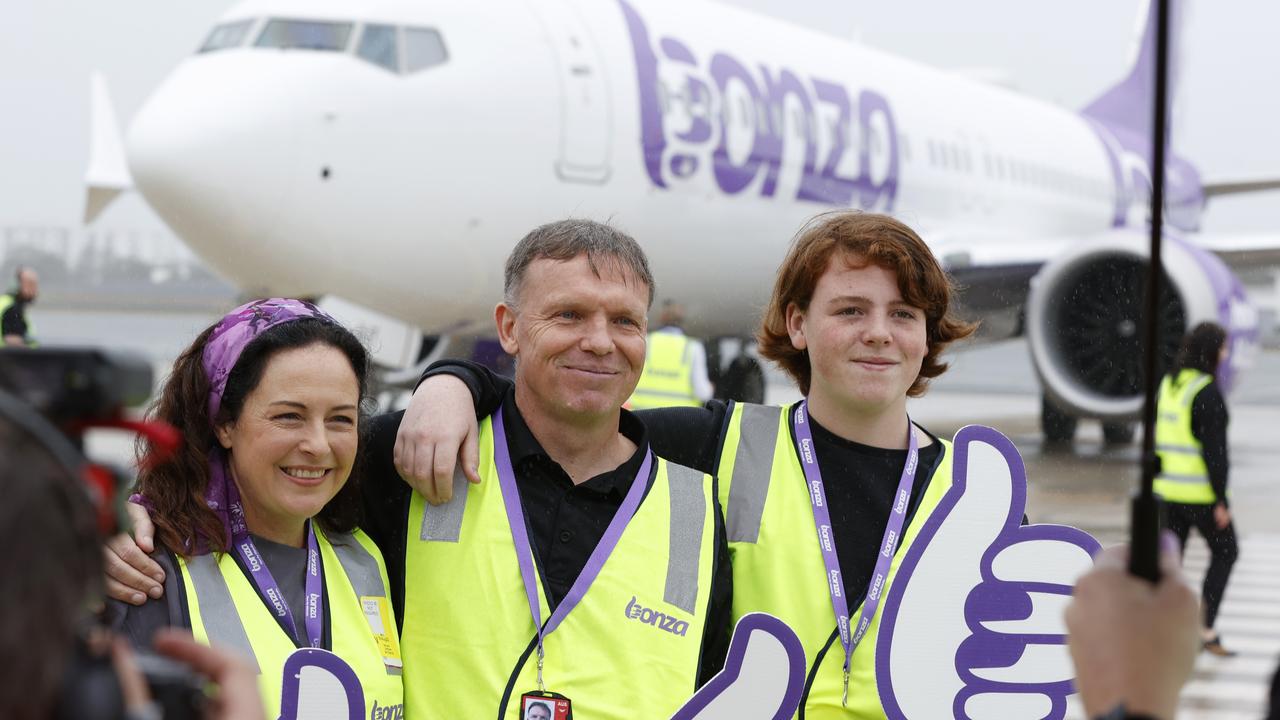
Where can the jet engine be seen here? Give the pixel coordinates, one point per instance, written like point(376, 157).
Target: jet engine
point(1085, 315)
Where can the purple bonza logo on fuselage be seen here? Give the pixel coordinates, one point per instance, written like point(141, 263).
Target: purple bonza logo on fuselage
point(849, 144)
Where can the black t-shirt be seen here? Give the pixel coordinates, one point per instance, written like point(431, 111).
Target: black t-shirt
point(566, 521)
point(860, 481)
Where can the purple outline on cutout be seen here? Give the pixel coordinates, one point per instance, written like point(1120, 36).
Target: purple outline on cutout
point(325, 660)
point(992, 599)
point(749, 623)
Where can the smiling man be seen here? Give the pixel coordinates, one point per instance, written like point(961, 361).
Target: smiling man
point(822, 496)
point(574, 520)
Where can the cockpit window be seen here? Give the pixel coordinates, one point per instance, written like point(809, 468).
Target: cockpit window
point(378, 46)
point(305, 35)
point(226, 35)
point(423, 48)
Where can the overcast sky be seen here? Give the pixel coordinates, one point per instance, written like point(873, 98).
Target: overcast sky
point(1066, 52)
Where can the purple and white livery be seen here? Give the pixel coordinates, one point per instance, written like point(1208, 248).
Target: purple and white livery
point(432, 135)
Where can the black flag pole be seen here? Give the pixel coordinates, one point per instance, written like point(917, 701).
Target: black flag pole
point(1144, 530)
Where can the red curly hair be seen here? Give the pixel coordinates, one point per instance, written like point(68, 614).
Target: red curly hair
point(861, 239)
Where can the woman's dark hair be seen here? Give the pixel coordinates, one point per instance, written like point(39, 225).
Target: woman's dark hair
point(175, 486)
point(1200, 349)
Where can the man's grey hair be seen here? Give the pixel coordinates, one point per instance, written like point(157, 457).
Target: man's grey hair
point(564, 240)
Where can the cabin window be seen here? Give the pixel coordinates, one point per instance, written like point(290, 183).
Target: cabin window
point(423, 48)
point(305, 35)
point(378, 45)
point(226, 35)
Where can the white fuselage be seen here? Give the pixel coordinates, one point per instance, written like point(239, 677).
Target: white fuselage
point(302, 172)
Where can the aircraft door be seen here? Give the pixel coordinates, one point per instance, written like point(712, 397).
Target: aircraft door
point(585, 112)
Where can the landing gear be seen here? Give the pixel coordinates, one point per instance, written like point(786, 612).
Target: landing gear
point(743, 381)
point(1118, 433)
point(741, 378)
point(1059, 428)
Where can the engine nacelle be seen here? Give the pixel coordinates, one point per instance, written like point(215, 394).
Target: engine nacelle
point(1085, 316)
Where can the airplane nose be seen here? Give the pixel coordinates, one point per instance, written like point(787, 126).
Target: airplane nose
point(211, 151)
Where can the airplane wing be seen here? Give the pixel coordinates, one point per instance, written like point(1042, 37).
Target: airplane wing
point(1235, 186)
point(994, 273)
point(1243, 251)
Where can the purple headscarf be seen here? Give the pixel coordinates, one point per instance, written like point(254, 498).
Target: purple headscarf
point(232, 334)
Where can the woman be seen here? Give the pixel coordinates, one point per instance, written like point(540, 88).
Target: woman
point(255, 514)
point(859, 317)
point(1191, 440)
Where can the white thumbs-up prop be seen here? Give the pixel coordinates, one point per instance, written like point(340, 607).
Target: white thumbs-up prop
point(319, 685)
point(972, 626)
point(763, 675)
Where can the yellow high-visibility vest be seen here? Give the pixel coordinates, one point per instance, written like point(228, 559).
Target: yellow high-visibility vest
point(225, 609)
point(1184, 477)
point(667, 379)
point(777, 562)
point(630, 649)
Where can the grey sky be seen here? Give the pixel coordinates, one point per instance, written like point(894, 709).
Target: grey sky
point(1066, 52)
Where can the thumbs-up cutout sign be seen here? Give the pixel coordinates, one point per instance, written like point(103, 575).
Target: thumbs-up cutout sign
point(319, 685)
point(762, 678)
point(973, 624)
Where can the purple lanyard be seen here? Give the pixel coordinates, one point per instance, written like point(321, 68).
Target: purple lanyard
point(524, 552)
point(266, 583)
point(826, 539)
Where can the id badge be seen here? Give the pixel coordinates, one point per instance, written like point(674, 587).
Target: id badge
point(541, 705)
point(378, 612)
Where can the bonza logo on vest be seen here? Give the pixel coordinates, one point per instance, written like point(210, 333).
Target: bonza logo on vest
point(660, 620)
point(735, 120)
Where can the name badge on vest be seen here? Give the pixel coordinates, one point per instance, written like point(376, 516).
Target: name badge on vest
point(378, 613)
point(543, 705)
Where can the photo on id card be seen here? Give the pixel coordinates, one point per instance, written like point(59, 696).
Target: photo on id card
point(537, 706)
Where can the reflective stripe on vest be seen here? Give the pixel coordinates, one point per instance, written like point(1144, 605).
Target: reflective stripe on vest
point(667, 379)
point(634, 641)
point(1184, 477)
point(777, 564)
point(225, 610)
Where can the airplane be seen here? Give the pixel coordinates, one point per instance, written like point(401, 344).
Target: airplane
point(387, 155)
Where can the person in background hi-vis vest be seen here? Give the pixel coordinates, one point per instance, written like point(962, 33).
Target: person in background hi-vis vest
point(1191, 440)
point(859, 317)
point(675, 366)
point(16, 329)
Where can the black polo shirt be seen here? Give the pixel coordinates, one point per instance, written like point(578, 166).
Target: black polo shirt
point(566, 521)
point(861, 480)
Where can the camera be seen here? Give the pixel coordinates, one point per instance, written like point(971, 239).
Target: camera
point(55, 395)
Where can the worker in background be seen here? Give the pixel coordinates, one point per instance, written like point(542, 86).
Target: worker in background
point(15, 328)
point(1191, 440)
point(675, 366)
